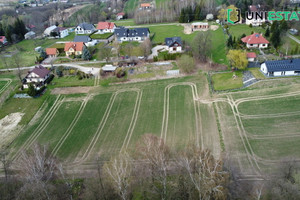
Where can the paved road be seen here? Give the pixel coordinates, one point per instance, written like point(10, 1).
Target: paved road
point(155, 50)
point(294, 38)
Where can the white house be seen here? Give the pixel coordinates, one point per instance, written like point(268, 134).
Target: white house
point(29, 35)
point(251, 56)
point(63, 32)
point(138, 34)
point(120, 16)
point(281, 67)
point(85, 28)
point(255, 40)
point(105, 27)
point(174, 45)
point(86, 40)
point(37, 77)
point(48, 30)
point(200, 26)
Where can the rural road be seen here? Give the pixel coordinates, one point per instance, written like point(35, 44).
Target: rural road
point(77, 65)
point(294, 38)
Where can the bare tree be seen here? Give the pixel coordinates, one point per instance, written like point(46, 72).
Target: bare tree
point(38, 168)
point(17, 61)
point(146, 47)
point(205, 173)
point(154, 160)
point(105, 53)
point(202, 44)
point(119, 171)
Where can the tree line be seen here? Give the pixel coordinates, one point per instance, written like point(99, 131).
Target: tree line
point(13, 32)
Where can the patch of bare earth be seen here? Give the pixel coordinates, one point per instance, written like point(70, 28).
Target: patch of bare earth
point(71, 90)
point(9, 128)
point(188, 28)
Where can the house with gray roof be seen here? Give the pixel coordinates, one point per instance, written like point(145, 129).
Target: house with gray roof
point(137, 34)
point(85, 28)
point(174, 44)
point(37, 76)
point(281, 67)
point(85, 39)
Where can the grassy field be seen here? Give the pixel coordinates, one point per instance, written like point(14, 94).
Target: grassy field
point(225, 81)
point(71, 81)
point(125, 22)
point(111, 121)
point(25, 51)
point(256, 73)
point(101, 36)
point(240, 29)
point(2, 84)
point(131, 5)
point(163, 31)
point(218, 53)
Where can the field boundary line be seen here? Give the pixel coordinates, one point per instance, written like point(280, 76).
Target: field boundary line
point(101, 126)
point(46, 120)
point(9, 81)
point(257, 98)
point(242, 136)
point(287, 114)
point(71, 127)
point(165, 119)
point(133, 120)
point(277, 136)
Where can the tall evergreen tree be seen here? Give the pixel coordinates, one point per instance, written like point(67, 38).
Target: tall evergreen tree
point(198, 12)
point(275, 38)
point(182, 16)
point(283, 26)
point(1, 30)
point(229, 42)
point(8, 33)
point(86, 55)
point(267, 33)
point(274, 26)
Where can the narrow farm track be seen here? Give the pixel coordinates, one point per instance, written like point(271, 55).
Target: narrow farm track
point(287, 114)
point(71, 127)
point(133, 120)
point(243, 136)
point(100, 127)
point(9, 81)
point(164, 128)
point(41, 127)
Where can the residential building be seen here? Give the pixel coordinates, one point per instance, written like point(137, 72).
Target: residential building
point(3, 40)
point(47, 32)
point(109, 68)
point(85, 28)
point(52, 52)
point(29, 35)
point(120, 15)
point(105, 27)
point(200, 26)
point(54, 31)
point(281, 67)
point(37, 77)
point(251, 56)
point(255, 40)
point(74, 48)
point(253, 20)
point(85, 39)
point(145, 6)
point(138, 34)
point(174, 44)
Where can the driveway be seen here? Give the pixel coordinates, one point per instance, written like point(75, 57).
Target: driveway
point(156, 49)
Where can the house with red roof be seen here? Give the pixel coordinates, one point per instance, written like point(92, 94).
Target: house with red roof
point(106, 27)
point(37, 77)
point(3, 40)
point(145, 6)
point(120, 15)
point(251, 56)
point(74, 48)
point(52, 52)
point(255, 40)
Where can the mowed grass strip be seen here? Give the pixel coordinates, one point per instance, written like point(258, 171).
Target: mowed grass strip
point(218, 51)
point(270, 106)
point(116, 126)
point(227, 81)
point(277, 148)
point(85, 128)
point(150, 114)
point(59, 123)
point(182, 120)
point(2, 84)
point(272, 126)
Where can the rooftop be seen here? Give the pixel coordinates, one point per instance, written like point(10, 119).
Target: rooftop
point(283, 65)
point(255, 38)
